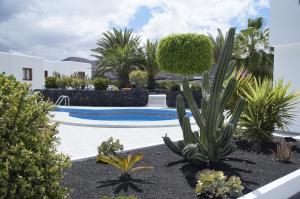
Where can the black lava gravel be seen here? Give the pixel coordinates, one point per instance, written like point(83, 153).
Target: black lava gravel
point(172, 178)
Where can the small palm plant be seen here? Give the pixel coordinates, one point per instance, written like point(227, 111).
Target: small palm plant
point(124, 164)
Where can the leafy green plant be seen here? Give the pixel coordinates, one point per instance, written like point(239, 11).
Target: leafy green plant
point(172, 85)
point(119, 197)
point(138, 78)
point(119, 51)
point(100, 83)
point(268, 107)
point(215, 184)
point(110, 147)
point(151, 65)
point(50, 82)
point(215, 139)
point(196, 87)
point(124, 164)
point(30, 166)
point(185, 53)
point(283, 152)
point(63, 82)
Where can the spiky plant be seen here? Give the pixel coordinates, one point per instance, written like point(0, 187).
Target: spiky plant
point(213, 142)
point(125, 164)
point(283, 152)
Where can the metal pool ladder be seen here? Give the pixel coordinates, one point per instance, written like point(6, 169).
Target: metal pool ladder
point(63, 98)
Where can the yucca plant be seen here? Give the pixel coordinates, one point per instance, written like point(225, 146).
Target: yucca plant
point(268, 107)
point(283, 152)
point(124, 164)
point(214, 140)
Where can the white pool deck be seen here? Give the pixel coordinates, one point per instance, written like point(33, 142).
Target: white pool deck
point(79, 138)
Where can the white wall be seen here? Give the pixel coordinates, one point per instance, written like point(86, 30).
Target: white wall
point(12, 64)
point(285, 22)
point(67, 67)
point(287, 67)
point(285, 37)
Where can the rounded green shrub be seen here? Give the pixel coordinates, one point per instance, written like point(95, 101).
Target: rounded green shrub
point(51, 82)
point(30, 166)
point(138, 78)
point(185, 54)
point(100, 83)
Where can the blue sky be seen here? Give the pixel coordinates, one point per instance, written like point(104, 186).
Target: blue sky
point(71, 28)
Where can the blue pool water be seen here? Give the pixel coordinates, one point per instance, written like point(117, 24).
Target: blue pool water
point(126, 114)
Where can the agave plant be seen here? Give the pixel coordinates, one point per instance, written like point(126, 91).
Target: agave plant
point(268, 107)
point(125, 164)
point(214, 140)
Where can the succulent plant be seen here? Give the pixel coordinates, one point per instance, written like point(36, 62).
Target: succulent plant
point(215, 184)
point(214, 139)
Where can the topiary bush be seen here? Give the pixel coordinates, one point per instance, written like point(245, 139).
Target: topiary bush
point(138, 78)
point(100, 83)
point(185, 53)
point(30, 166)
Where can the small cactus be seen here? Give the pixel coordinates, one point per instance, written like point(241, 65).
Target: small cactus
point(214, 140)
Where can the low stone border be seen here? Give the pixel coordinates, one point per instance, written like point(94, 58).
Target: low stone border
point(281, 188)
point(99, 97)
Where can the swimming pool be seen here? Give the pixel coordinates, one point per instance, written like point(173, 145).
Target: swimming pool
point(121, 114)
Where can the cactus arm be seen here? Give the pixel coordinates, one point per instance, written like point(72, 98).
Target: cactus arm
point(230, 69)
point(188, 135)
point(226, 136)
point(171, 145)
point(205, 85)
point(230, 88)
point(226, 151)
point(192, 104)
point(198, 159)
point(180, 109)
point(237, 112)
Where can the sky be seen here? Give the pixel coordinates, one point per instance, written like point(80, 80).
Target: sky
point(59, 29)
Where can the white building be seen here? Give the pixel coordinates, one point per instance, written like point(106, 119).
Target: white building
point(285, 37)
point(34, 70)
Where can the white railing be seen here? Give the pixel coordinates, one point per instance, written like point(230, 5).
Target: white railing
point(61, 99)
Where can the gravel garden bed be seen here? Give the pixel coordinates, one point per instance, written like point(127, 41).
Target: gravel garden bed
point(173, 178)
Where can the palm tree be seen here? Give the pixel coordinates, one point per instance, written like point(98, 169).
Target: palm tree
point(119, 51)
point(252, 49)
point(151, 65)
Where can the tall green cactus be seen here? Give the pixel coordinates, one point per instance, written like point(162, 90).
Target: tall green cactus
point(214, 139)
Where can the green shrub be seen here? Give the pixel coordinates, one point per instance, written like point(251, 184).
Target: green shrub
point(196, 87)
point(267, 107)
point(100, 83)
point(173, 85)
point(63, 82)
point(214, 184)
point(110, 147)
point(50, 82)
point(185, 53)
point(138, 78)
point(119, 197)
point(30, 166)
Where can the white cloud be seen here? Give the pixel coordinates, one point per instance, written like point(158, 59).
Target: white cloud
point(58, 29)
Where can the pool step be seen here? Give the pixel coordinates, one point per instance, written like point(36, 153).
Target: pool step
point(157, 100)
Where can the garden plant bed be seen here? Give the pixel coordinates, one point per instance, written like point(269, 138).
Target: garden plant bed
point(172, 178)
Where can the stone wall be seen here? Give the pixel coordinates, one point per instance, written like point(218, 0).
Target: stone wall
point(99, 97)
